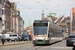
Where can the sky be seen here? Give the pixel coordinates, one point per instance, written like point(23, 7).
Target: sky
point(32, 9)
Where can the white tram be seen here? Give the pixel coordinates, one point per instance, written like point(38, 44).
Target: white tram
point(45, 32)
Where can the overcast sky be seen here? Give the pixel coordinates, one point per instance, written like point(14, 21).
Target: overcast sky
point(32, 9)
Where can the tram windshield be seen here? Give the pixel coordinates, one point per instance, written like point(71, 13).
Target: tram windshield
point(40, 29)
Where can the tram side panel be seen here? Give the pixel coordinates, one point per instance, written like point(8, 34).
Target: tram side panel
point(51, 33)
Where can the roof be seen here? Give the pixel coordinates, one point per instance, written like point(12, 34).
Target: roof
point(60, 19)
point(54, 18)
point(29, 26)
point(12, 4)
point(66, 19)
point(50, 15)
point(62, 24)
point(24, 29)
point(7, 3)
point(73, 10)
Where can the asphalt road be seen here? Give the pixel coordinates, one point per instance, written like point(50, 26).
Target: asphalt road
point(29, 46)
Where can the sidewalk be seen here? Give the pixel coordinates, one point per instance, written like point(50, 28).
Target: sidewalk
point(14, 43)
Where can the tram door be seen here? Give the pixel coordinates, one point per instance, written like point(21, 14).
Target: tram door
point(49, 34)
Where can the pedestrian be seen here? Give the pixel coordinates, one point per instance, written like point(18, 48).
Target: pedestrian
point(73, 46)
point(3, 38)
point(30, 38)
point(22, 37)
point(18, 37)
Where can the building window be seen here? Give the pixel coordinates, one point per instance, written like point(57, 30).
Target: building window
point(2, 12)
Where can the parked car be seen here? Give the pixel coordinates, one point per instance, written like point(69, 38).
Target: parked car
point(70, 40)
point(14, 37)
point(25, 37)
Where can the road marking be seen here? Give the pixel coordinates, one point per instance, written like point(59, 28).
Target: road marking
point(61, 47)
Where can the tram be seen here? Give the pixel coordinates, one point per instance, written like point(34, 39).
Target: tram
point(46, 32)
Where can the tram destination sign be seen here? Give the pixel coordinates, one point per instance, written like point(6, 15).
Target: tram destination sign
point(40, 24)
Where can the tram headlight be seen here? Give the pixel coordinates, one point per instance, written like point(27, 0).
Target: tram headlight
point(35, 39)
point(44, 39)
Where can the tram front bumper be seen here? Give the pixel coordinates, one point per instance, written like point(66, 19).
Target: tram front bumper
point(41, 42)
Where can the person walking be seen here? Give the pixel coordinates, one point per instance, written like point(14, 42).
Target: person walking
point(22, 37)
point(3, 38)
point(30, 38)
point(19, 38)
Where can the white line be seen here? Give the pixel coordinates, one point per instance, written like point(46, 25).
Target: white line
point(61, 47)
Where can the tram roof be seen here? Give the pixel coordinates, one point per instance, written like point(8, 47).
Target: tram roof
point(41, 21)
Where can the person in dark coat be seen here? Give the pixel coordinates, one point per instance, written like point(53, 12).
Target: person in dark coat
point(30, 37)
point(22, 37)
point(3, 38)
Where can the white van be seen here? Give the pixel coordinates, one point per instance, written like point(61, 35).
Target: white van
point(7, 37)
point(14, 37)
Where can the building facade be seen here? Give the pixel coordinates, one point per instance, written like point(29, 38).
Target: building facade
point(68, 27)
point(5, 15)
point(73, 20)
point(20, 23)
point(14, 18)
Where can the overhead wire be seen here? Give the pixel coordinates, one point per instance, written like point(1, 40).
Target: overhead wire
point(28, 8)
point(46, 8)
point(42, 5)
